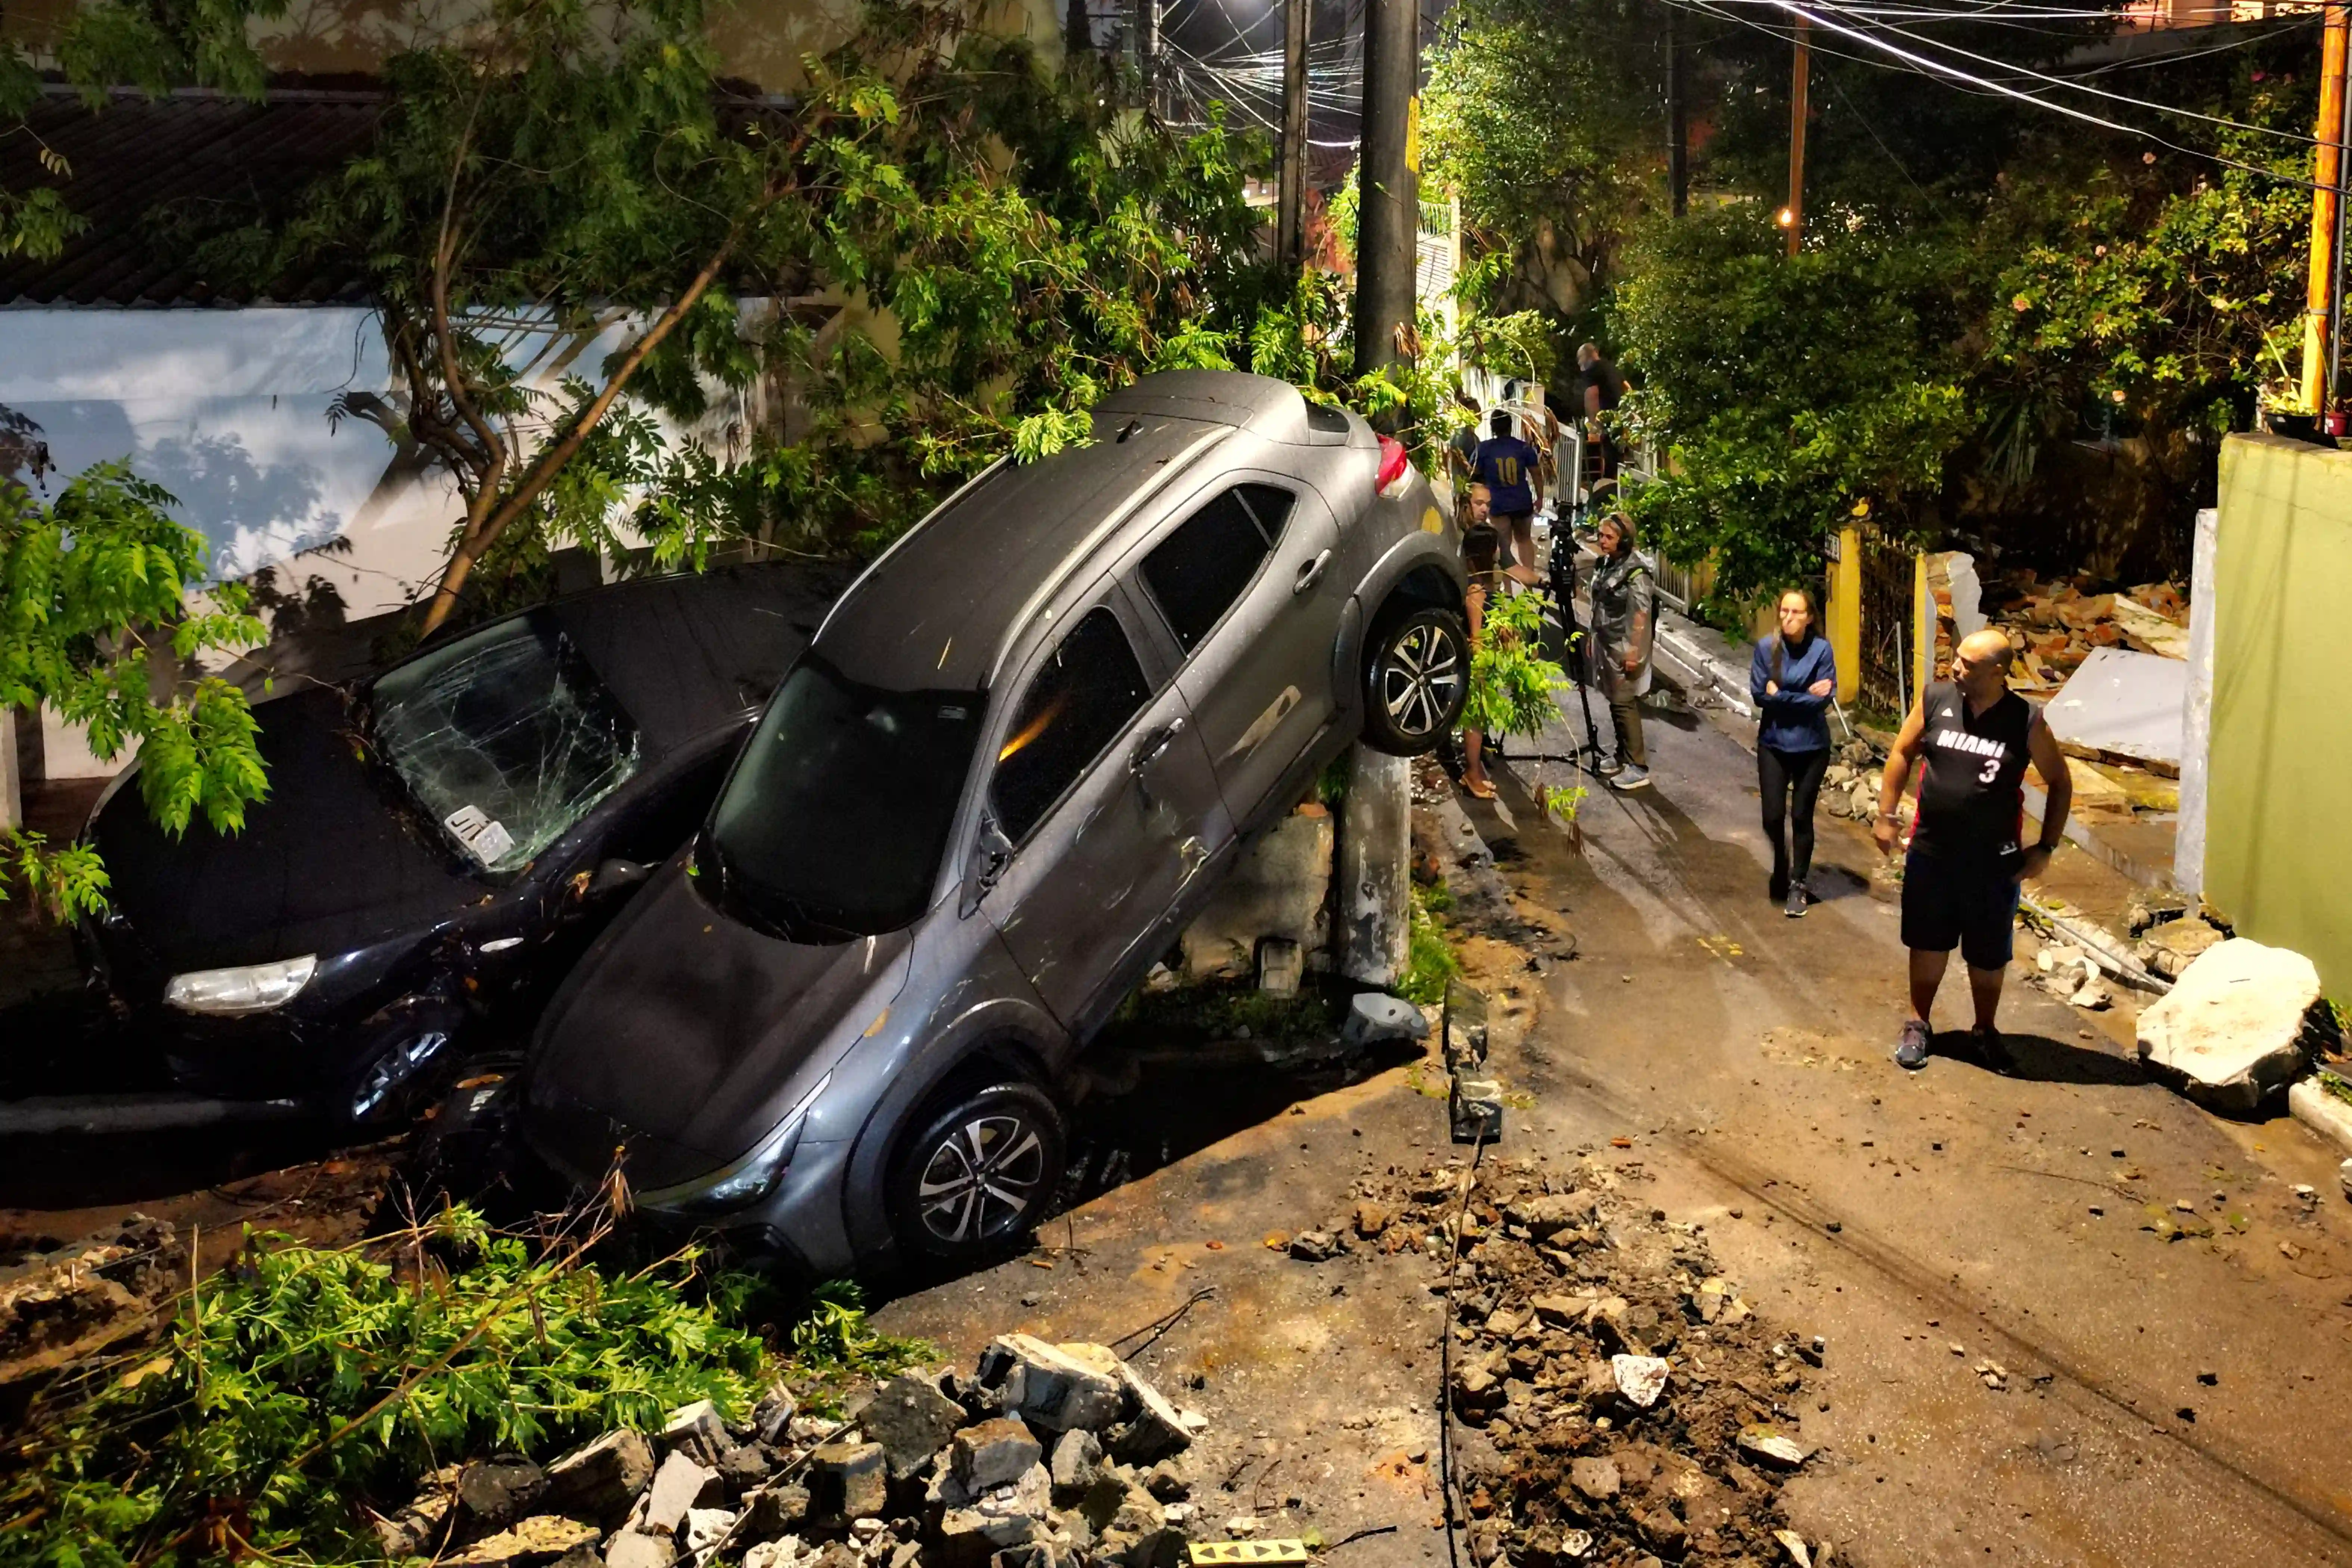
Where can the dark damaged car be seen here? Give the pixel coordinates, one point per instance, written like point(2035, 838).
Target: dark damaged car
point(1023, 750)
point(440, 841)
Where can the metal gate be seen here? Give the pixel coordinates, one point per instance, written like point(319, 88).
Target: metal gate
point(1889, 580)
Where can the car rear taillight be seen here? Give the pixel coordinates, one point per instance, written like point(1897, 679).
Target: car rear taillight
point(1395, 469)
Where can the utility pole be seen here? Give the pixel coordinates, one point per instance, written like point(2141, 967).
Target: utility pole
point(1147, 54)
point(2327, 176)
point(1678, 124)
point(1793, 216)
point(1290, 245)
point(1387, 227)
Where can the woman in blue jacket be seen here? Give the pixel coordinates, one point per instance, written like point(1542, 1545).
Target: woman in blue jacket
point(1792, 678)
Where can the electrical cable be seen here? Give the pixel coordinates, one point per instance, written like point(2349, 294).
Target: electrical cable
point(1446, 1363)
point(1923, 65)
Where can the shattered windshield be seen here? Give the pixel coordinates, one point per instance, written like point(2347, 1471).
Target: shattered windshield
point(835, 818)
point(506, 738)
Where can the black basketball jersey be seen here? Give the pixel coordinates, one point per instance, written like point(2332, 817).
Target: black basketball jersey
point(1972, 789)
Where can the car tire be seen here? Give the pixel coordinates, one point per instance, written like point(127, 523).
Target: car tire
point(1417, 678)
point(978, 1172)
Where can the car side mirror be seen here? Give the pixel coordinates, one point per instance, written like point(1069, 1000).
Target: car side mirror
point(616, 876)
point(991, 853)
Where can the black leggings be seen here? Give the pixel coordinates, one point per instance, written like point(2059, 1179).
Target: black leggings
point(1777, 773)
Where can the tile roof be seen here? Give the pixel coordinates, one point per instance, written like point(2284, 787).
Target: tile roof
point(211, 160)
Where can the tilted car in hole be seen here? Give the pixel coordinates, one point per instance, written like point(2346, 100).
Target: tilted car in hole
point(438, 841)
point(1022, 749)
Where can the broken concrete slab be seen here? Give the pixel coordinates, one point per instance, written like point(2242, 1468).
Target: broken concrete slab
point(1640, 1378)
point(2172, 947)
point(2231, 1030)
point(912, 1420)
point(1077, 1460)
point(1374, 1016)
point(598, 1481)
point(2311, 1101)
point(681, 1484)
point(541, 1538)
point(499, 1491)
point(1154, 1430)
point(1057, 1387)
point(847, 1480)
point(2122, 702)
point(992, 1454)
point(698, 1431)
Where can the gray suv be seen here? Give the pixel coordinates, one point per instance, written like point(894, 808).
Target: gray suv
point(1022, 750)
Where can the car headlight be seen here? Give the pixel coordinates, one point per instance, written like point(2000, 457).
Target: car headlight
point(253, 988)
point(749, 1179)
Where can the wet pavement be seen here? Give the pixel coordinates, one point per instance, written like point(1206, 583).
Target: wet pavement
point(2176, 1400)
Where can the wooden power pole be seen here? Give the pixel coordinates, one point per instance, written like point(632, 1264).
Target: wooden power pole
point(1387, 226)
point(2327, 177)
point(1677, 122)
point(1793, 216)
point(1290, 236)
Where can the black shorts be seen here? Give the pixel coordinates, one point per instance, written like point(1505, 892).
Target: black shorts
point(1968, 904)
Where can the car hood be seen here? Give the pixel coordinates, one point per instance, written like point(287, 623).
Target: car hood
point(681, 1034)
point(328, 862)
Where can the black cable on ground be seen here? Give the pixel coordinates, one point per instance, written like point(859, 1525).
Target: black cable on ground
point(1446, 1360)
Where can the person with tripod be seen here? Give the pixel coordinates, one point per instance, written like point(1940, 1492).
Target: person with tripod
point(1625, 598)
point(1792, 678)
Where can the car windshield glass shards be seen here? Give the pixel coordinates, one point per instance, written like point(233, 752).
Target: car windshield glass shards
point(506, 738)
point(839, 809)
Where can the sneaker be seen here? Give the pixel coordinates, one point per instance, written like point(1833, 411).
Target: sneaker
point(1912, 1054)
point(1799, 897)
point(1632, 778)
point(1611, 767)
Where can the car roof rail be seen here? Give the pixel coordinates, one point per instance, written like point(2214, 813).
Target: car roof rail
point(1079, 553)
point(922, 523)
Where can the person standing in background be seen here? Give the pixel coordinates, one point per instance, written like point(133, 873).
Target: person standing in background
point(1604, 390)
point(1507, 465)
point(1479, 548)
point(1625, 616)
point(1792, 678)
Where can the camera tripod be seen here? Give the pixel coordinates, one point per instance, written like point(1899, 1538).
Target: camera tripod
point(1561, 623)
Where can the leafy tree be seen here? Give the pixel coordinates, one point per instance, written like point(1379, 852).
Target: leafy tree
point(92, 587)
point(1790, 392)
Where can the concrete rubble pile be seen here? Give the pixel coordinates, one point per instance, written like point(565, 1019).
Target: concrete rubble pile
point(72, 1302)
point(1616, 1401)
point(1050, 1456)
point(2055, 625)
point(1849, 784)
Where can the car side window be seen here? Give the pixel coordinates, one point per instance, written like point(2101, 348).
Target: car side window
point(1196, 573)
point(1076, 705)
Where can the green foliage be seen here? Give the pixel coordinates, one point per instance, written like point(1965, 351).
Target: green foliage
point(306, 1383)
point(93, 585)
point(1511, 683)
point(1542, 117)
point(1788, 392)
point(1430, 961)
point(834, 1339)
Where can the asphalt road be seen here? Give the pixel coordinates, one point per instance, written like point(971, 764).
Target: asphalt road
point(1745, 1058)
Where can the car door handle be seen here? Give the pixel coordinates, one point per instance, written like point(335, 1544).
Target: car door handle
point(1310, 573)
point(1149, 749)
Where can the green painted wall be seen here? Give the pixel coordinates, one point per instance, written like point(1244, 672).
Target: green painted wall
point(2278, 835)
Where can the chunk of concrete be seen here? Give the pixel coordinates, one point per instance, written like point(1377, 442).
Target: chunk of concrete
point(698, 1431)
point(779, 1552)
point(2171, 948)
point(679, 1485)
point(531, 1541)
point(1640, 1378)
point(992, 1454)
point(773, 1413)
point(1281, 964)
point(1596, 1478)
point(1077, 1460)
point(498, 1492)
point(1374, 1017)
point(707, 1527)
point(636, 1549)
point(847, 1480)
point(1279, 888)
point(912, 1420)
point(598, 1481)
point(1155, 1430)
point(1008, 1515)
point(2231, 1029)
point(1057, 1387)
point(772, 1511)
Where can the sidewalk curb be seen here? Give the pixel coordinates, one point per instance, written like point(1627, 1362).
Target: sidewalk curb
point(2320, 1112)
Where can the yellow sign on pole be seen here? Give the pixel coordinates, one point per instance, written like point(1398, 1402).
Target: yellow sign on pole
point(1413, 134)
